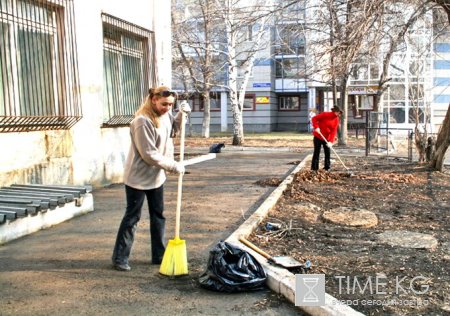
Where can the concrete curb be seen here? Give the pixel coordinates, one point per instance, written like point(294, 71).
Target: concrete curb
point(281, 280)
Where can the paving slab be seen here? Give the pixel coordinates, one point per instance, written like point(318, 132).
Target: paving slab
point(351, 216)
point(407, 239)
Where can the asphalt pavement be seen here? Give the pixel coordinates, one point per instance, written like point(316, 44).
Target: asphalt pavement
point(66, 269)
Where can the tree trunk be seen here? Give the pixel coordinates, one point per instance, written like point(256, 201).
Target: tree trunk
point(238, 129)
point(206, 115)
point(238, 133)
point(442, 143)
point(343, 133)
point(420, 140)
point(443, 138)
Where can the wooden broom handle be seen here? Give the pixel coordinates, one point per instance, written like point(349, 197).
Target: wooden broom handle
point(180, 178)
point(252, 246)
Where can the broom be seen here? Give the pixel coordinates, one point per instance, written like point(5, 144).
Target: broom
point(175, 257)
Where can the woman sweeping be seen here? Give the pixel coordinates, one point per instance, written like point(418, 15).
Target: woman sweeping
point(150, 156)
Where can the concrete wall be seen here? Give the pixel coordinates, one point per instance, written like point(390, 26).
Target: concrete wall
point(86, 154)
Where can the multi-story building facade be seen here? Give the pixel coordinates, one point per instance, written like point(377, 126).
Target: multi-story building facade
point(73, 72)
point(283, 88)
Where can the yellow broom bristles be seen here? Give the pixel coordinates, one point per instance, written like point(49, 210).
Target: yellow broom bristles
point(175, 258)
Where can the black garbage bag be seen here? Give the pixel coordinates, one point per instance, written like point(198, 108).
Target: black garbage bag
point(216, 148)
point(231, 269)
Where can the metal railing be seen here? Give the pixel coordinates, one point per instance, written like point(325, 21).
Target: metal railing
point(39, 84)
point(129, 69)
point(395, 142)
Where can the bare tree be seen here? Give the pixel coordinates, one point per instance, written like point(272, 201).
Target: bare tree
point(196, 38)
point(246, 23)
point(222, 36)
point(442, 143)
point(346, 29)
point(420, 113)
point(393, 37)
point(445, 4)
point(397, 29)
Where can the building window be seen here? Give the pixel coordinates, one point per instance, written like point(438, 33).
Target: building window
point(364, 74)
point(39, 84)
point(290, 68)
point(290, 39)
point(192, 99)
point(128, 71)
point(397, 68)
point(249, 102)
point(289, 103)
point(397, 114)
point(214, 101)
point(360, 103)
point(417, 114)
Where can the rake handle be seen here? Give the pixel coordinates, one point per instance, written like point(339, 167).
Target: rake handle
point(254, 247)
point(320, 133)
point(180, 178)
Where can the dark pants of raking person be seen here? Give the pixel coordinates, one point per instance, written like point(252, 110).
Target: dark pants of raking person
point(127, 229)
point(318, 143)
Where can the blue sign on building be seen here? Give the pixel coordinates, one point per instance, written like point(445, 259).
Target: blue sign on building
point(262, 85)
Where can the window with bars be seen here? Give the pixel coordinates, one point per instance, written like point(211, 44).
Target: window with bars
point(128, 69)
point(39, 85)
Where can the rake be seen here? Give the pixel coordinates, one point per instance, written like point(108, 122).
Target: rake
point(331, 147)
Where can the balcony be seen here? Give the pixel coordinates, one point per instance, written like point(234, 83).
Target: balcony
point(290, 85)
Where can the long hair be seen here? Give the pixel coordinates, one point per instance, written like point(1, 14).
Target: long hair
point(147, 108)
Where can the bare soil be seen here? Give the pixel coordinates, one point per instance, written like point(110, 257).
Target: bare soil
point(404, 197)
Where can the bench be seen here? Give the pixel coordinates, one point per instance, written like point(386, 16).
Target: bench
point(27, 208)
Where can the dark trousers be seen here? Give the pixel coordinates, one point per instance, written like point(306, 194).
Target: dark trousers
point(127, 228)
point(318, 143)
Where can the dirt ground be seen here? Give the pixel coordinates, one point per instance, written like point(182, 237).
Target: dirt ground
point(404, 197)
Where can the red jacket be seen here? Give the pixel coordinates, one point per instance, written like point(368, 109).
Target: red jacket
point(328, 123)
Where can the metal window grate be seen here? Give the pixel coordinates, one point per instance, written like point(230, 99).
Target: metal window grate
point(128, 67)
point(39, 85)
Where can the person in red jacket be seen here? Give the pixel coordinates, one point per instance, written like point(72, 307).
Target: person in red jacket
point(325, 125)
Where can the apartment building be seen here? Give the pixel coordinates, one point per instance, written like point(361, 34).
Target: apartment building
point(73, 72)
point(286, 83)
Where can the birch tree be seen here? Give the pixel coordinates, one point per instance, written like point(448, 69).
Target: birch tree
point(401, 22)
point(240, 17)
point(197, 40)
